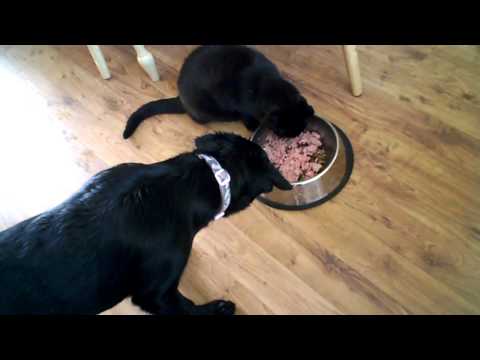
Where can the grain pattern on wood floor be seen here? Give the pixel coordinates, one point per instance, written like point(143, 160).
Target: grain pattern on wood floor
point(402, 237)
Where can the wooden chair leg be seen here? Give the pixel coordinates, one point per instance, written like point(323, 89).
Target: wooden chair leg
point(353, 68)
point(147, 62)
point(99, 60)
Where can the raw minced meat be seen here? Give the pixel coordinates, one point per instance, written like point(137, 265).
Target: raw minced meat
point(299, 158)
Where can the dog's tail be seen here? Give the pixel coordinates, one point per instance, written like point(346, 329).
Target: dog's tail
point(163, 106)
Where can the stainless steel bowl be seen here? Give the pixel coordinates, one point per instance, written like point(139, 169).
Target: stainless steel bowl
point(326, 184)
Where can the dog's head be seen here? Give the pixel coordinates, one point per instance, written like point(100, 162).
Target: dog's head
point(251, 171)
point(290, 120)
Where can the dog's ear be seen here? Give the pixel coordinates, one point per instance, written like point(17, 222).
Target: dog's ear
point(218, 143)
point(206, 143)
point(278, 180)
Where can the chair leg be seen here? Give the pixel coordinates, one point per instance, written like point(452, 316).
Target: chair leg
point(147, 62)
point(99, 60)
point(353, 68)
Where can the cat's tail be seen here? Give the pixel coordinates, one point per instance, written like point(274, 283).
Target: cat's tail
point(163, 106)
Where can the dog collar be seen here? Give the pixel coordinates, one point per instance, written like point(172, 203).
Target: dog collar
point(223, 179)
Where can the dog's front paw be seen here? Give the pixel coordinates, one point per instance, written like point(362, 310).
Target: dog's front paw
point(221, 307)
point(216, 307)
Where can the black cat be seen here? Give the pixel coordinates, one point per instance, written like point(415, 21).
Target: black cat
point(228, 83)
point(129, 232)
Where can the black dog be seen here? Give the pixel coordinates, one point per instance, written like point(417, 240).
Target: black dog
point(128, 232)
point(227, 83)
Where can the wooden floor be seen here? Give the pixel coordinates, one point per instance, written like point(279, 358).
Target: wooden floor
point(402, 237)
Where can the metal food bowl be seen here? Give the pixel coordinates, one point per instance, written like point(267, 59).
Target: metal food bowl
point(327, 183)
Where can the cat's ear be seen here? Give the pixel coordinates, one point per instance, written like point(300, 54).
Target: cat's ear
point(310, 111)
point(304, 109)
point(299, 99)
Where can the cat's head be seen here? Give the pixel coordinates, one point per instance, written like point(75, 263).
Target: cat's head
point(251, 171)
point(291, 119)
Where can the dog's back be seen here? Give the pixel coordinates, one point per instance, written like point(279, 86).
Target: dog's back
point(70, 259)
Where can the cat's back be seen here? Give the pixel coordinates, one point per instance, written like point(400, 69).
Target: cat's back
point(219, 62)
